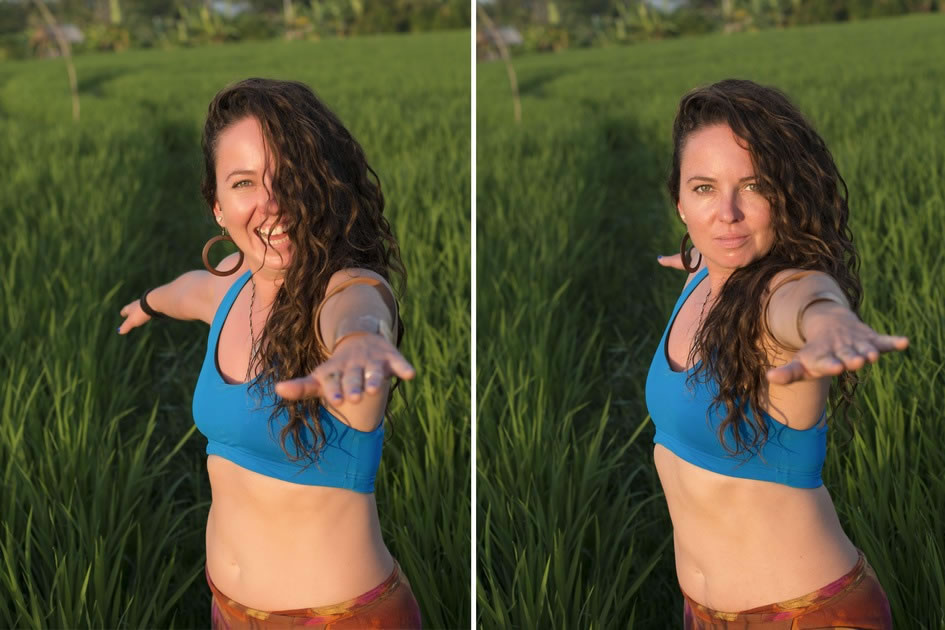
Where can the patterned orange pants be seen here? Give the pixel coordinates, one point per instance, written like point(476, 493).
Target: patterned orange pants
point(389, 605)
point(856, 600)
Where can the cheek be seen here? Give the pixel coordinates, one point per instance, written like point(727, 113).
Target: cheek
point(767, 233)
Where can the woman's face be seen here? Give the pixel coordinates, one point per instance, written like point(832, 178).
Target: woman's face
point(245, 205)
point(728, 219)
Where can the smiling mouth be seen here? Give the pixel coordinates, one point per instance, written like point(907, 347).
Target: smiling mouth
point(272, 236)
point(270, 231)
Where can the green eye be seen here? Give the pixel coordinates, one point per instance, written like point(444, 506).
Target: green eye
point(753, 187)
point(242, 181)
point(703, 188)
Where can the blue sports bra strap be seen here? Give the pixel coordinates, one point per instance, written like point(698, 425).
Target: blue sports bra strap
point(688, 290)
point(227, 302)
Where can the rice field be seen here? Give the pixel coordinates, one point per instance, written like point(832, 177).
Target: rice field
point(573, 530)
point(105, 492)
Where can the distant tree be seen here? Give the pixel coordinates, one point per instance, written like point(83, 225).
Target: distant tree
point(65, 50)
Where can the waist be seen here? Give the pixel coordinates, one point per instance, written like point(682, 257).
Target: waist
point(742, 542)
point(293, 547)
point(748, 581)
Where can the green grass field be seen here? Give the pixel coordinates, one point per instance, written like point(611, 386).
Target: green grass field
point(105, 492)
point(573, 530)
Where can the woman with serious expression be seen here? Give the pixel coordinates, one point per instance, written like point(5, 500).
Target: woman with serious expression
point(728, 219)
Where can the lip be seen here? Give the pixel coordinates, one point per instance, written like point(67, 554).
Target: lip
point(731, 242)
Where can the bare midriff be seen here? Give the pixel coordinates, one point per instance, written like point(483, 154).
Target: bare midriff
point(744, 543)
point(275, 545)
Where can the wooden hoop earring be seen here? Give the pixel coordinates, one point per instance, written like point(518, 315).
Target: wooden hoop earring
point(686, 255)
point(206, 260)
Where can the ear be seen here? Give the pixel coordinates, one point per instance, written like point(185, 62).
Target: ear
point(217, 212)
point(679, 210)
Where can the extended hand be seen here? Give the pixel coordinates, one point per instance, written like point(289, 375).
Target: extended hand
point(133, 315)
point(839, 341)
point(360, 363)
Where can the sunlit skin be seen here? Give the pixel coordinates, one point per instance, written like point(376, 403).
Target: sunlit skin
point(719, 196)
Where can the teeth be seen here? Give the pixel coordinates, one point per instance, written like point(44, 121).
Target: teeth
point(273, 232)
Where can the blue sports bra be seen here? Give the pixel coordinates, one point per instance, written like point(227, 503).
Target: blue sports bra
point(226, 414)
point(791, 457)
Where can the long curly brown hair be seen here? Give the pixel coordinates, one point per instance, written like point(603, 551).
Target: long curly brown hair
point(330, 203)
point(809, 215)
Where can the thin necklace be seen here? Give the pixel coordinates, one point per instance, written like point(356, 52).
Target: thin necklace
point(704, 302)
point(252, 337)
point(702, 312)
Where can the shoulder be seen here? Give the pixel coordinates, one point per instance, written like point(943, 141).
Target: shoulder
point(695, 274)
point(219, 285)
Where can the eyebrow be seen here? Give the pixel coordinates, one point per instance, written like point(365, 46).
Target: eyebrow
point(239, 172)
point(711, 179)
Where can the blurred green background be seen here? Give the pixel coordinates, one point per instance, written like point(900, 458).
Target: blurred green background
point(553, 25)
point(573, 529)
point(105, 492)
point(119, 25)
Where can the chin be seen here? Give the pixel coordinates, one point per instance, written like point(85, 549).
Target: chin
point(735, 262)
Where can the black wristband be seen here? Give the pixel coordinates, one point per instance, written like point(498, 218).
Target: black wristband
point(147, 309)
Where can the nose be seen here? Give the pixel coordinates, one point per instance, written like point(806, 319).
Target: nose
point(729, 211)
point(269, 204)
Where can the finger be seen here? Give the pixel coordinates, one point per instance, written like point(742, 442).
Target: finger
point(827, 365)
point(296, 388)
point(868, 350)
point(786, 374)
point(400, 367)
point(800, 369)
point(891, 343)
point(374, 374)
point(851, 359)
point(352, 383)
point(330, 378)
point(673, 261)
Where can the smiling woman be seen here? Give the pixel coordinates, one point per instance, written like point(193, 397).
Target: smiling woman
point(309, 350)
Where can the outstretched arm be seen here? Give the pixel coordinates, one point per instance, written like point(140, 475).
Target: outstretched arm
point(356, 325)
point(188, 297)
point(813, 316)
